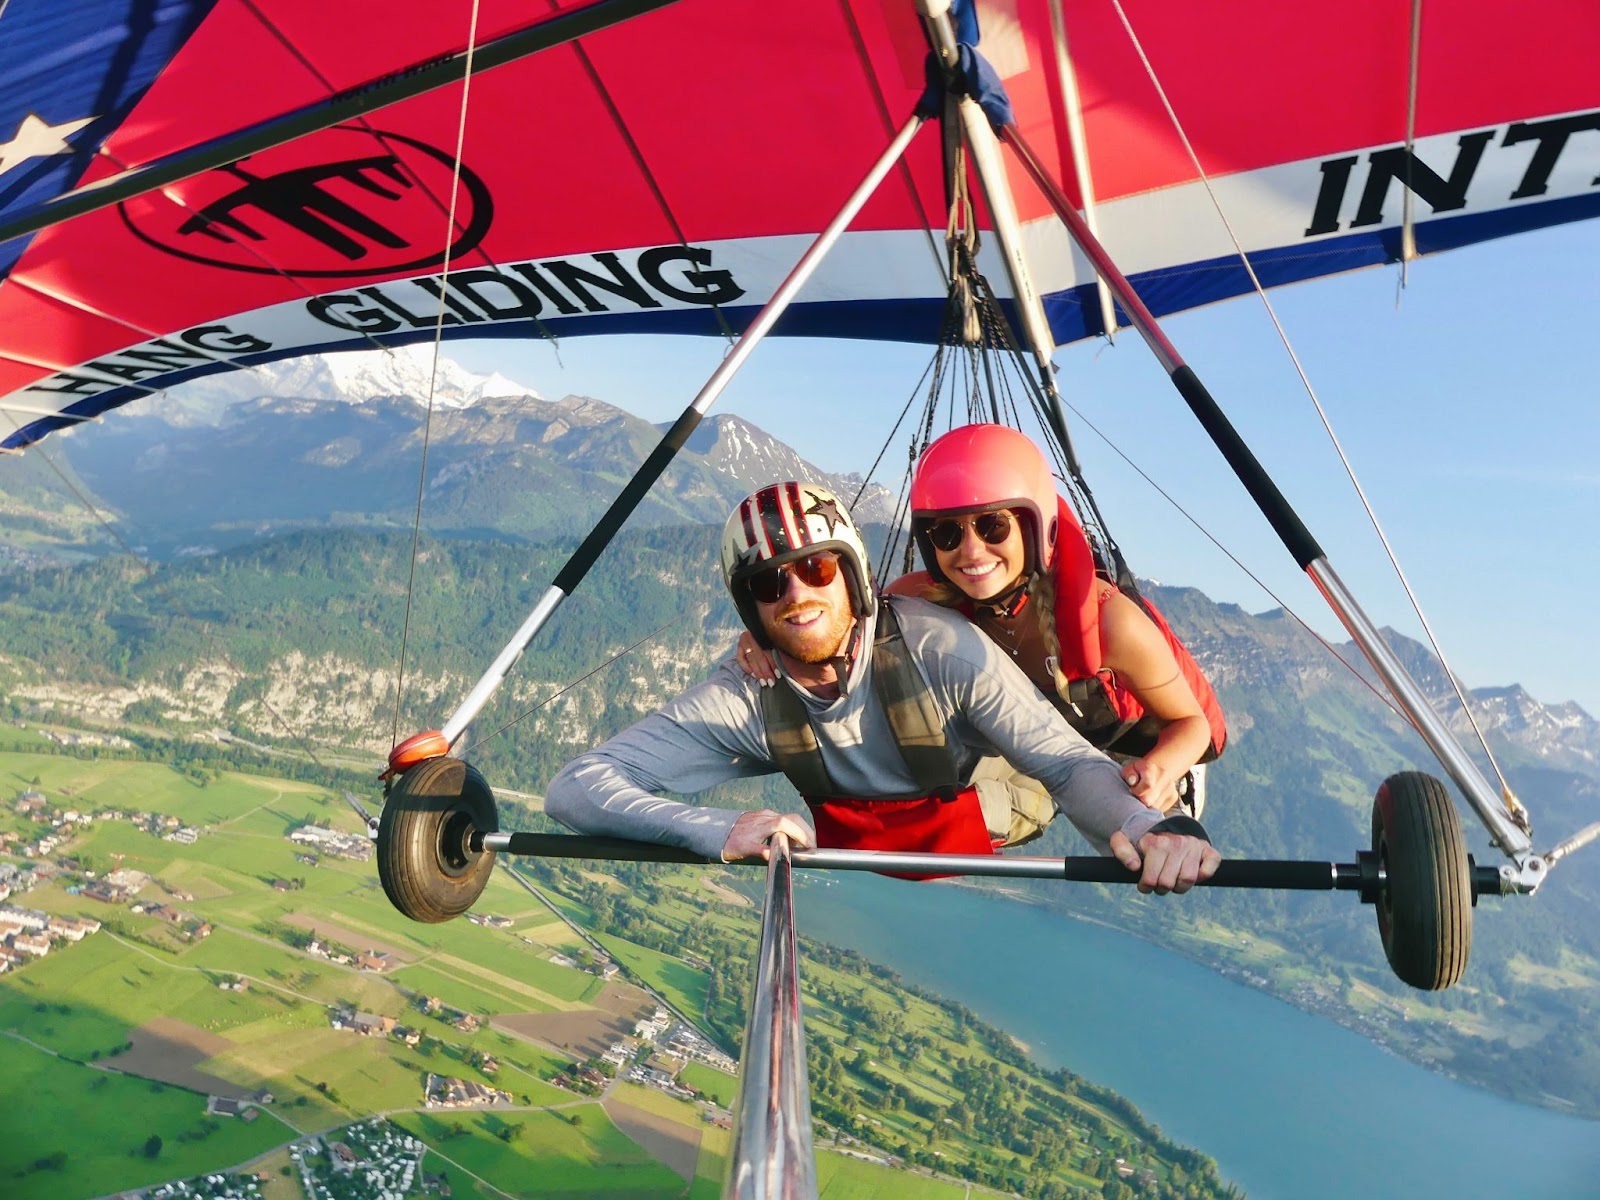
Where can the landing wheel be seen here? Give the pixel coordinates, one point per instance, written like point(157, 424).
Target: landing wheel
point(1425, 905)
point(427, 866)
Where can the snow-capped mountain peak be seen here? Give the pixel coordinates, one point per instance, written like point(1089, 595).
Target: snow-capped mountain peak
point(739, 450)
point(348, 377)
point(412, 372)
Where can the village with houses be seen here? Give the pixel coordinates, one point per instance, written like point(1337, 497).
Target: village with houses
point(64, 822)
point(78, 737)
point(54, 826)
point(368, 1160)
point(46, 847)
point(26, 934)
point(317, 840)
point(653, 1056)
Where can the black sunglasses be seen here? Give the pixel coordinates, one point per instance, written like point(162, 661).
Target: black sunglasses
point(814, 570)
point(992, 527)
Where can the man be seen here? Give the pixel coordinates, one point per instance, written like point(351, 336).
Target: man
point(850, 669)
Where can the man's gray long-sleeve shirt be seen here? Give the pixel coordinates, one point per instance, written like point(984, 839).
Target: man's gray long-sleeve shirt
point(715, 732)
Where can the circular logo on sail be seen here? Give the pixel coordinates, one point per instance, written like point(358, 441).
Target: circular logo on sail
point(348, 201)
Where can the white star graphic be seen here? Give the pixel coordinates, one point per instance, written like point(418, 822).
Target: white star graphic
point(35, 139)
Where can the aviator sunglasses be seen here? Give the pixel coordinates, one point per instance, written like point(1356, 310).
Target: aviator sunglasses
point(992, 527)
point(814, 570)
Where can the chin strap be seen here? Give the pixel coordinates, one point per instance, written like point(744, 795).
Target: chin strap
point(846, 662)
point(1006, 607)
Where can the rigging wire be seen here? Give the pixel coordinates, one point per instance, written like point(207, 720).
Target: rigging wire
point(1310, 391)
point(433, 374)
point(890, 124)
point(997, 343)
point(1383, 697)
point(971, 364)
point(650, 179)
point(916, 390)
point(383, 139)
point(595, 670)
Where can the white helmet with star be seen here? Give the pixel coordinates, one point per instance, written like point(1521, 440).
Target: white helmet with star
point(784, 522)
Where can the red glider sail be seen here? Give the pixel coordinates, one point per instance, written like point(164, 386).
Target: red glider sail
point(665, 174)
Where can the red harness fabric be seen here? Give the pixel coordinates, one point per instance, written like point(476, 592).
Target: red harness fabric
point(1078, 603)
point(924, 825)
point(1131, 710)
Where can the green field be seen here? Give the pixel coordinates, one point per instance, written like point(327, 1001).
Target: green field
point(467, 994)
point(902, 1060)
point(842, 1177)
point(714, 1085)
point(547, 1155)
point(101, 1122)
point(84, 1000)
point(681, 984)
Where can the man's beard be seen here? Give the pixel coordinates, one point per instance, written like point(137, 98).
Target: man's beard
point(816, 643)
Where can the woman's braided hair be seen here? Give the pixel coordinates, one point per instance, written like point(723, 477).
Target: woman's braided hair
point(1042, 595)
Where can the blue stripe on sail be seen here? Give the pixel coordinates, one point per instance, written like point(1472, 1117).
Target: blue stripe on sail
point(1073, 314)
point(1177, 289)
point(57, 66)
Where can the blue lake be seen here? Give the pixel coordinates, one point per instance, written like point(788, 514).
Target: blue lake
point(1293, 1107)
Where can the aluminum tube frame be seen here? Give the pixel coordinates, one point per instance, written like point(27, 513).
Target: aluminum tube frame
point(1511, 838)
point(996, 188)
point(1480, 793)
point(577, 566)
point(1139, 316)
point(1264, 874)
point(555, 30)
point(987, 164)
point(1078, 138)
point(991, 174)
point(772, 1157)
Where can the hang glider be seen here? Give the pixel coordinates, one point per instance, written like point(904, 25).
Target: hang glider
point(211, 184)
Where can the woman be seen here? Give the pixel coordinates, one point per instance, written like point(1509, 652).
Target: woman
point(1000, 545)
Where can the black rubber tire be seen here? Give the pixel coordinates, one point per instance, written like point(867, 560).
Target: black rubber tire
point(426, 868)
point(1425, 905)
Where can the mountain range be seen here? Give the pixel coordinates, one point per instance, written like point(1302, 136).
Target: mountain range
point(336, 440)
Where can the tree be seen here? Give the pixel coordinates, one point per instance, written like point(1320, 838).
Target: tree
point(152, 1146)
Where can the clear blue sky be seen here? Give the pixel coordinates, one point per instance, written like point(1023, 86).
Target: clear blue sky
point(1468, 405)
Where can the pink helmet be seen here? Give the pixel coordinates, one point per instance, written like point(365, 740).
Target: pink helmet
point(979, 468)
